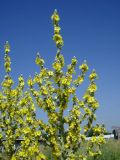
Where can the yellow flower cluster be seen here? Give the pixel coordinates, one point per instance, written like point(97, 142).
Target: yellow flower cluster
point(84, 67)
point(93, 76)
point(39, 61)
point(57, 66)
point(7, 47)
point(92, 88)
point(55, 17)
point(17, 118)
point(71, 67)
point(7, 61)
point(57, 37)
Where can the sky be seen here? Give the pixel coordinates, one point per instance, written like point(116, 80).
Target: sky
point(91, 31)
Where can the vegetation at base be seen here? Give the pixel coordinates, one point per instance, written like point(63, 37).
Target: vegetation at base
point(110, 151)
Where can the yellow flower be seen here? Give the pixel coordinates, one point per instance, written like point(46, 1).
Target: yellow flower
point(84, 67)
point(35, 94)
point(64, 81)
point(57, 66)
point(43, 73)
point(90, 100)
point(8, 82)
point(44, 90)
point(87, 111)
point(37, 79)
point(13, 158)
point(14, 93)
point(27, 142)
point(79, 80)
point(57, 37)
point(7, 121)
point(95, 105)
point(58, 40)
point(50, 73)
point(67, 145)
point(71, 90)
point(23, 154)
point(91, 153)
point(93, 76)
point(57, 29)
point(72, 125)
point(7, 47)
point(59, 43)
point(101, 140)
point(76, 111)
point(26, 130)
point(81, 104)
point(93, 139)
point(29, 119)
point(55, 17)
point(37, 133)
point(92, 88)
point(51, 131)
point(30, 82)
point(39, 61)
point(97, 129)
point(7, 64)
point(74, 61)
point(20, 78)
point(24, 110)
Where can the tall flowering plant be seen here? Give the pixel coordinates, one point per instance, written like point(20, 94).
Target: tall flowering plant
point(64, 133)
point(56, 93)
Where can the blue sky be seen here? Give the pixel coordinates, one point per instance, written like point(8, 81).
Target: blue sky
point(91, 31)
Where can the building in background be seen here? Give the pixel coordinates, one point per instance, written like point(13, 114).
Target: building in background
point(116, 132)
